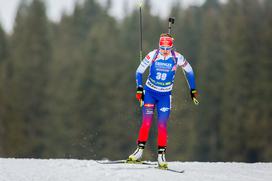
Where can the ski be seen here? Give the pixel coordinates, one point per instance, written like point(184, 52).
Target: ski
point(124, 162)
point(171, 170)
point(141, 162)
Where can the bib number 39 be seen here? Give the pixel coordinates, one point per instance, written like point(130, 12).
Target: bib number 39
point(161, 76)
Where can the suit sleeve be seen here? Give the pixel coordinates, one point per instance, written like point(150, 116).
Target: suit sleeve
point(188, 71)
point(142, 67)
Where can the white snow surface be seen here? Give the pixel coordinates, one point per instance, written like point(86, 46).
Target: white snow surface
point(90, 170)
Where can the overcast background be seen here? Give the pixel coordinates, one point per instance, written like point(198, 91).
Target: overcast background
point(56, 7)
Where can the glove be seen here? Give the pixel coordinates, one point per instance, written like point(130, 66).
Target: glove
point(140, 94)
point(194, 95)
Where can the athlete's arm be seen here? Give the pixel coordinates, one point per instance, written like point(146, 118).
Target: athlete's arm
point(188, 70)
point(142, 67)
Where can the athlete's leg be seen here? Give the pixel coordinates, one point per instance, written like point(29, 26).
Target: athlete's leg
point(164, 109)
point(147, 115)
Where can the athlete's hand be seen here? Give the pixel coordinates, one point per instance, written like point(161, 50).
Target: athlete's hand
point(194, 96)
point(140, 94)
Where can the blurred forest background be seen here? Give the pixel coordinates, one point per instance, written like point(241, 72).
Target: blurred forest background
point(67, 89)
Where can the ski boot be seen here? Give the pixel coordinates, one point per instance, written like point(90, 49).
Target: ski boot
point(162, 164)
point(138, 153)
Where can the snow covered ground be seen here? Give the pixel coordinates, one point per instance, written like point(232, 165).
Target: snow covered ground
point(89, 170)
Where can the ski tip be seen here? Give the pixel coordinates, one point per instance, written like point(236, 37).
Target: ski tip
point(110, 162)
point(171, 170)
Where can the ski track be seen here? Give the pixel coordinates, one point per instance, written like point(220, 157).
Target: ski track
point(90, 170)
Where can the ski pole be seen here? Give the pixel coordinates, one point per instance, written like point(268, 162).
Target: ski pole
point(141, 38)
point(195, 101)
point(141, 31)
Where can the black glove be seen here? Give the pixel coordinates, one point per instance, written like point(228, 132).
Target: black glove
point(194, 96)
point(140, 94)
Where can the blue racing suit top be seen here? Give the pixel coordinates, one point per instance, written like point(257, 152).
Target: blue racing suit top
point(162, 71)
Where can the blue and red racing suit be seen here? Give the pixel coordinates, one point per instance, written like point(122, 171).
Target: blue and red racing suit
point(157, 90)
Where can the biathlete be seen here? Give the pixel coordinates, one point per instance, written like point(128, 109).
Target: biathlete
point(163, 64)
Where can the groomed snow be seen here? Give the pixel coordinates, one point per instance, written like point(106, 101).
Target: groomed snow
point(89, 170)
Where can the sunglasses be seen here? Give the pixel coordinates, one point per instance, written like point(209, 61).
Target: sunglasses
point(165, 48)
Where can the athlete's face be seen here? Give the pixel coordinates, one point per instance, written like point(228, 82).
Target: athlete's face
point(165, 52)
point(166, 44)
